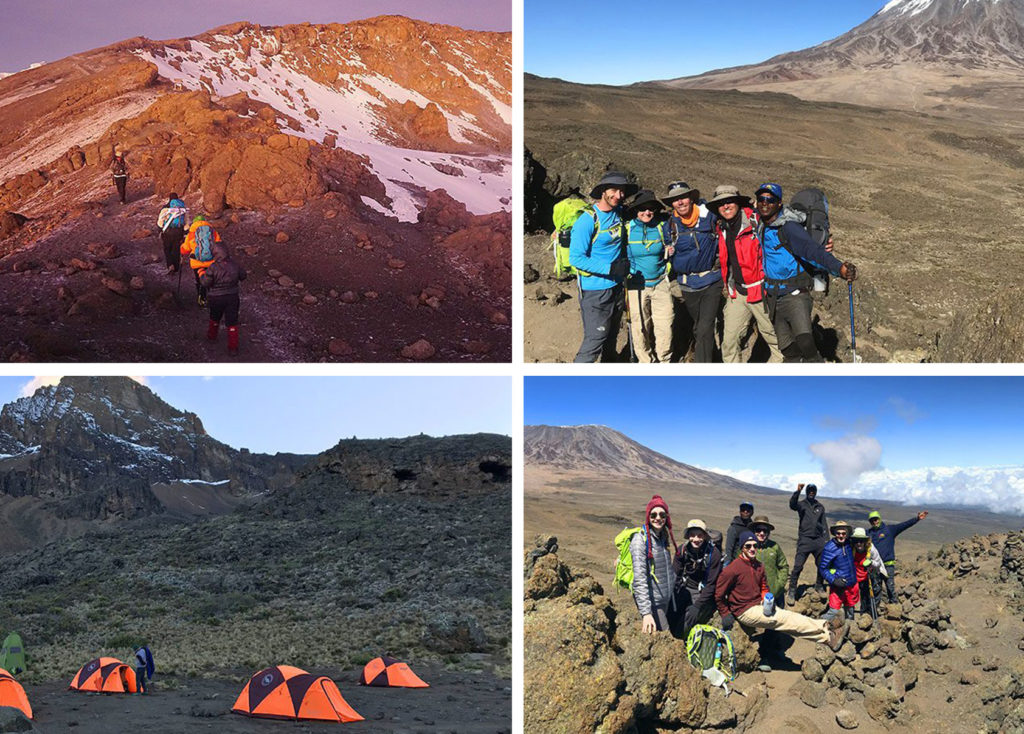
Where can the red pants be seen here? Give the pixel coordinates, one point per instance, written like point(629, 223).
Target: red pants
point(848, 597)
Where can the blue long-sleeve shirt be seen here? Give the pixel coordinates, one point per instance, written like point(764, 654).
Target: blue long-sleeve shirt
point(782, 263)
point(594, 255)
point(646, 252)
point(884, 538)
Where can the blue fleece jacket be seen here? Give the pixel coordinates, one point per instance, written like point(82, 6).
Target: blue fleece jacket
point(646, 252)
point(837, 560)
point(695, 262)
point(595, 257)
point(781, 265)
point(884, 538)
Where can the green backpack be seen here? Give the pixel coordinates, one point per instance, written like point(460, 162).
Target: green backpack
point(624, 564)
point(710, 647)
point(564, 215)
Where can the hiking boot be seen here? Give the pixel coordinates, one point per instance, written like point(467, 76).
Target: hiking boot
point(835, 622)
point(791, 597)
point(212, 329)
point(836, 635)
point(233, 340)
point(819, 588)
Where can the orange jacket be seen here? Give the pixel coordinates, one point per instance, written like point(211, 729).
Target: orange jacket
point(189, 246)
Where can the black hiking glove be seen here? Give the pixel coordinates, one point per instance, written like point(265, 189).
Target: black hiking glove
point(619, 269)
point(848, 271)
point(840, 583)
point(728, 621)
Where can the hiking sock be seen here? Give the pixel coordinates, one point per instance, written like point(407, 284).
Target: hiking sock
point(232, 340)
point(212, 329)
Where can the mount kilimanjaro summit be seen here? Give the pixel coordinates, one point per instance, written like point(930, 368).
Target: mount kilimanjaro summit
point(360, 172)
point(927, 55)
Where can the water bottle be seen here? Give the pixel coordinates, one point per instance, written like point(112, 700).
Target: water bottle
point(768, 605)
point(820, 283)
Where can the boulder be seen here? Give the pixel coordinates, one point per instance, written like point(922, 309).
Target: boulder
point(419, 350)
point(847, 719)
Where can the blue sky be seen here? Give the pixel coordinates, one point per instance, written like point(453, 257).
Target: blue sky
point(908, 439)
point(603, 42)
point(311, 414)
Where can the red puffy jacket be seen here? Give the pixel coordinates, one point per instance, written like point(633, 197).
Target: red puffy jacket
point(748, 252)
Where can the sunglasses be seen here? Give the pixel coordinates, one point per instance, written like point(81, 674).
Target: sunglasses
point(643, 209)
point(658, 515)
point(750, 545)
point(766, 199)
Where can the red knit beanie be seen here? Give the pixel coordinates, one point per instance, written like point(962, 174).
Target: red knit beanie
point(657, 501)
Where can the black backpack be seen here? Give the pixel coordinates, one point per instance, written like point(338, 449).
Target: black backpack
point(813, 204)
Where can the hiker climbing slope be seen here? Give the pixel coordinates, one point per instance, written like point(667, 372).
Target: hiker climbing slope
point(812, 535)
point(198, 245)
point(221, 281)
point(596, 251)
point(883, 537)
point(119, 172)
point(171, 222)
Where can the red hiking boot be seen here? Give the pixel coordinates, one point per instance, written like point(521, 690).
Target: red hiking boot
point(212, 329)
point(232, 340)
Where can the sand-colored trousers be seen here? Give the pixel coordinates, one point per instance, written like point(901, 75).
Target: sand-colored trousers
point(791, 623)
point(651, 313)
point(735, 320)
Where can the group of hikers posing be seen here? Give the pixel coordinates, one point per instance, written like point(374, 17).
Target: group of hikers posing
point(217, 275)
point(748, 580)
point(680, 248)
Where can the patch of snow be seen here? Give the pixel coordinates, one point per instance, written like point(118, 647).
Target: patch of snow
point(29, 450)
point(203, 481)
point(376, 205)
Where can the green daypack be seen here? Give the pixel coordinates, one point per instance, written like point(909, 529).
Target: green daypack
point(564, 215)
point(710, 647)
point(12, 656)
point(624, 564)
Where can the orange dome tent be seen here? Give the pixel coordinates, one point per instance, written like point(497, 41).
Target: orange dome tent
point(106, 675)
point(12, 694)
point(284, 692)
point(386, 671)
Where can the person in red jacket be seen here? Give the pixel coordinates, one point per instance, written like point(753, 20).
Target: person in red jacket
point(742, 261)
point(739, 594)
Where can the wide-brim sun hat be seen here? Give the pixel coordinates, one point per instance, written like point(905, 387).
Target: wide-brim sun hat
point(725, 194)
point(859, 534)
point(643, 199)
point(680, 190)
point(696, 524)
point(761, 520)
point(614, 179)
point(841, 525)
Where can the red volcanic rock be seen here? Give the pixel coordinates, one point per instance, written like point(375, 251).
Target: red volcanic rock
point(419, 350)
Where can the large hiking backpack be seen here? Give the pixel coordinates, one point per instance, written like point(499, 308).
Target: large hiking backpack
point(813, 204)
point(624, 564)
point(179, 219)
point(204, 243)
point(564, 215)
point(710, 647)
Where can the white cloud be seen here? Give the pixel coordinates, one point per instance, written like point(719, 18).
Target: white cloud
point(998, 489)
point(845, 459)
point(30, 387)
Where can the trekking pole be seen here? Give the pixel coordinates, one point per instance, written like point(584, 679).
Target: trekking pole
point(871, 596)
point(629, 322)
point(853, 332)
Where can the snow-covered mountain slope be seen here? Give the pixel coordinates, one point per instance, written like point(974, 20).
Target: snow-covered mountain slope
point(439, 118)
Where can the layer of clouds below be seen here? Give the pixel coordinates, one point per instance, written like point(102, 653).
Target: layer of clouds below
point(998, 489)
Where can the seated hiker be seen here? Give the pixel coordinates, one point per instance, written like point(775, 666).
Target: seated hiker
point(739, 595)
point(867, 564)
point(651, 308)
point(883, 537)
point(653, 578)
point(837, 569)
point(221, 281)
point(696, 566)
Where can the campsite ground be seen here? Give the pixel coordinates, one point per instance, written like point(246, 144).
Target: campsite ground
point(457, 701)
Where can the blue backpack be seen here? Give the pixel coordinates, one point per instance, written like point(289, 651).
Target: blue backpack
point(204, 243)
point(178, 221)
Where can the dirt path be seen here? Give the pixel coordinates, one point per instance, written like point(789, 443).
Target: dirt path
point(456, 702)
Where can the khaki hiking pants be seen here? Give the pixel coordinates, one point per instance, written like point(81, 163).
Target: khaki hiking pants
point(796, 625)
point(735, 320)
point(651, 313)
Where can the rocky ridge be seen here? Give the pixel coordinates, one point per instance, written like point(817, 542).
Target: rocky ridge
point(927, 660)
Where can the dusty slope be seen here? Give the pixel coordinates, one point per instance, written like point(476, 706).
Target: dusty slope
point(914, 202)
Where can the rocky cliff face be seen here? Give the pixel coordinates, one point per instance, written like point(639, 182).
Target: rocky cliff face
point(92, 447)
